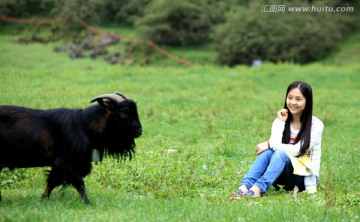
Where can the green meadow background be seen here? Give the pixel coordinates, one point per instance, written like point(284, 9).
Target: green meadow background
point(212, 116)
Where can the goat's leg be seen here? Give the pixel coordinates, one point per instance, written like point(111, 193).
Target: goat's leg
point(0, 187)
point(78, 183)
point(55, 178)
point(81, 190)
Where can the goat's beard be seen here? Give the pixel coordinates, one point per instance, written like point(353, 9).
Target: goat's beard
point(121, 149)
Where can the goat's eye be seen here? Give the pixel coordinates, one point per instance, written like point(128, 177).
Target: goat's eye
point(123, 115)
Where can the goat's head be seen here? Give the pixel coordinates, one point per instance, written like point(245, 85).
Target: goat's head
point(123, 111)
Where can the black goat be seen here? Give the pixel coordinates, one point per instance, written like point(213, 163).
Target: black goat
point(65, 138)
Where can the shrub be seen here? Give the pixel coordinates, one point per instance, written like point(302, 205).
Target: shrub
point(249, 34)
point(177, 23)
point(21, 8)
point(92, 11)
point(127, 11)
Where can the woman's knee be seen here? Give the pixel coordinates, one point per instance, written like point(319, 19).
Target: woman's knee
point(281, 154)
point(268, 151)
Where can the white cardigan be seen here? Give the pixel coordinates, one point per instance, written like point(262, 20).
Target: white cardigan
point(317, 128)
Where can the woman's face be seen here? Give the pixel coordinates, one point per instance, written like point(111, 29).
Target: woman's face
point(295, 102)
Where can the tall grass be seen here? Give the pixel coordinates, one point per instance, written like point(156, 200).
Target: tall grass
point(212, 116)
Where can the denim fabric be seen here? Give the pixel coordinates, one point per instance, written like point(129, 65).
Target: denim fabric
point(272, 168)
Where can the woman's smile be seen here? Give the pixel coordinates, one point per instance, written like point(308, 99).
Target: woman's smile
point(296, 101)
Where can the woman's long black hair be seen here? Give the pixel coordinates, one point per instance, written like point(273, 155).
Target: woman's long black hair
point(305, 119)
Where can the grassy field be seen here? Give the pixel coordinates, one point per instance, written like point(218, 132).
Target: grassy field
point(213, 116)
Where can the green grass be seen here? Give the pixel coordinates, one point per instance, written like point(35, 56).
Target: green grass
point(213, 116)
point(347, 53)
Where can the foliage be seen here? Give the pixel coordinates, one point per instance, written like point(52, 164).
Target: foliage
point(127, 11)
point(244, 33)
point(73, 10)
point(99, 11)
point(93, 11)
point(22, 8)
point(249, 34)
point(178, 23)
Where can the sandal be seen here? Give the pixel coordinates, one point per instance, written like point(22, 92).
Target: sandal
point(251, 193)
point(238, 195)
point(240, 192)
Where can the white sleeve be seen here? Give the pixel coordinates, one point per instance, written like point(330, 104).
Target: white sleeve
point(275, 140)
point(317, 128)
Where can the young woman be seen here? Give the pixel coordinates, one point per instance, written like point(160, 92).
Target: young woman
point(291, 157)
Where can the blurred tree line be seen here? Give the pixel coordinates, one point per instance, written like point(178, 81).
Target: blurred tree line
point(240, 30)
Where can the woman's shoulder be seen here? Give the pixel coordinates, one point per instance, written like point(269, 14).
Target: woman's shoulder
point(278, 122)
point(316, 122)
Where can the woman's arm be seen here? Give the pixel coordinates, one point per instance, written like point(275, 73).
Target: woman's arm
point(276, 139)
point(261, 147)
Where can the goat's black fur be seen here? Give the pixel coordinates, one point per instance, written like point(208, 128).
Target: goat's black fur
point(65, 139)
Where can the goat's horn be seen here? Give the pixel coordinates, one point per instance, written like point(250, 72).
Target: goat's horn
point(117, 97)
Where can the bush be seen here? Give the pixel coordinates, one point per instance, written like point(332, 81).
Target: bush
point(19, 8)
point(127, 11)
point(101, 11)
point(249, 34)
point(92, 11)
point(177, 23)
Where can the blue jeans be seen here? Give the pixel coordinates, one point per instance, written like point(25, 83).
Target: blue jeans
point(272, 168)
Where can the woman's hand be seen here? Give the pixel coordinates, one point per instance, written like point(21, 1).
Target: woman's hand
point(283, 115)
point(261, 147)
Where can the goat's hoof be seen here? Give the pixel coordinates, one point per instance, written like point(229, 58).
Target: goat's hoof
point(43, 197)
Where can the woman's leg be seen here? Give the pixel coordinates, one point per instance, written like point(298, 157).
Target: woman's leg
point(288, 180)
point(276, 165)
point(257, 169)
